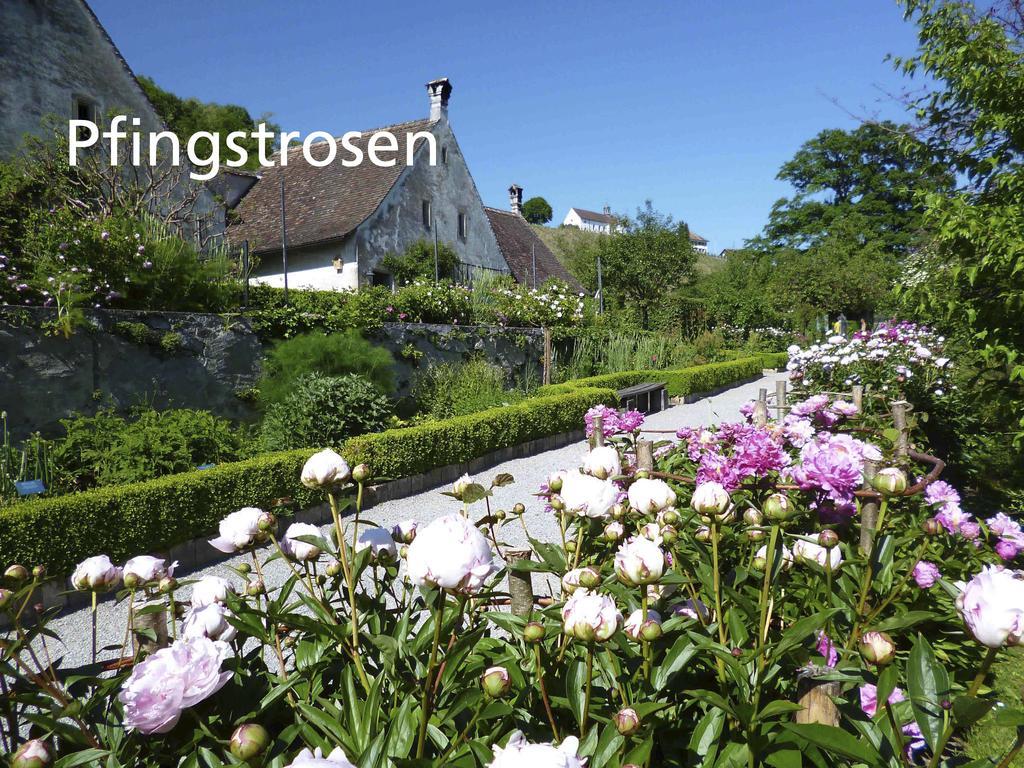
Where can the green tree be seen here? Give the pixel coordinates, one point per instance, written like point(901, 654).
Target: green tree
point(645, 257)
point(971, 278)
point(188, 116)
point(537, 210)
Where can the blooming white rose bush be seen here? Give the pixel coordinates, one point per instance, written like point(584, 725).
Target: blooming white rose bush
point(683, 616)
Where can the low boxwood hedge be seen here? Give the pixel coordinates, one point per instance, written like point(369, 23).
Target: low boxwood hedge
point(678, 381)
point(151, 516)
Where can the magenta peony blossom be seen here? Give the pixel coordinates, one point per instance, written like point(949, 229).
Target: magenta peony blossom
point(170, 681)
point(869, 698)
point(609, 420)
point(1007, 550)
point(926, 574)
point(941, 492)
point(757, 453)
point(827, 468)
point(954, 519)
point(827, 649)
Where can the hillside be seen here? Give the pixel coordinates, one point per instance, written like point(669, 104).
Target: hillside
point(575, 247)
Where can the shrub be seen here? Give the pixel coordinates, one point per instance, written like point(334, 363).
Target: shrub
point(679, 382)
point(108, 449)
point(321, 411)
point(455, 389)
point(329, 354)
point(417, 263)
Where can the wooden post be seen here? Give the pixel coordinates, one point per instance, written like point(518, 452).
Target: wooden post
point(899, 420)
point(780, 399)
point(520, 583)
point(597, 432)
point(761, 408)
point(815, 698)
point(645, 455)
point(155, 621)
point(868, 511)
point(857, 394)
point(547, 357)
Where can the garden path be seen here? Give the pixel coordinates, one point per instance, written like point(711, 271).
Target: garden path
point(529, 473)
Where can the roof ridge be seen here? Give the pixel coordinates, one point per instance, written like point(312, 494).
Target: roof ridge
point(298, 147)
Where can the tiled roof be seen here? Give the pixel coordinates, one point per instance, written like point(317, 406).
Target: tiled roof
point(322, 204)
point(516, 238)
point(604, 218)
point(695, 238)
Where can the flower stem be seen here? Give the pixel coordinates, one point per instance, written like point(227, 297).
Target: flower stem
point(94, 626)
point(427, 699)
point(544, 691)
point(717, 586)
point(586, 697)
point(865, 584)
point(762, 633)
point(350, 584)
point(644, 645)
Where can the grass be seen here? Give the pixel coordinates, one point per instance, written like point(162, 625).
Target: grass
point(988, 739)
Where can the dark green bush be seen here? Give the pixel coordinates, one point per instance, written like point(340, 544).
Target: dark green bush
point(417, 263)
point(331, 355)
point(108, 449)
point(322, 411)
point(455, 389)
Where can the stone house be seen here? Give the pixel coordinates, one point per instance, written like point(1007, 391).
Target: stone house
point(57, 62)
point(341, 221)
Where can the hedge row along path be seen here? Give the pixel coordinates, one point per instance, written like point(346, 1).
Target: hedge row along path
point(529, 473)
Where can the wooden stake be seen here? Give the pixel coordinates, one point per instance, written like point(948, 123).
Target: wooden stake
point(761, 408)
point(520, 583)
point(899, 420)
point(816, 700)
point(645, 455)
point(547, 357)
point(597, 435)
point(868, 511)
point(857, 393)
point(780, 399)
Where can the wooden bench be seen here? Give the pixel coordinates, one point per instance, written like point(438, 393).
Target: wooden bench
point(646, 398)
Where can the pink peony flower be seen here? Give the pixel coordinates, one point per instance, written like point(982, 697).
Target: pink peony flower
point(926, 574)
point(992, 606)
point(869, 698)
point(170, 681)
point(827, 649)
point(941, 492)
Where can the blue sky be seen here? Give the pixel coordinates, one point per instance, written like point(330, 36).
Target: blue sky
point(693, 104)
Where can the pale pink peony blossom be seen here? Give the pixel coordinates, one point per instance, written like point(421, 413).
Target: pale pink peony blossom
point(452, 554)
point(992, 606)
point(519, 753)
point(316, 759)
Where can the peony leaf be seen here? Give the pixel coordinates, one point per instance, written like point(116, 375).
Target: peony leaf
point(835, 741)
point(928, 685)
point(502, 479)
point(968, 710)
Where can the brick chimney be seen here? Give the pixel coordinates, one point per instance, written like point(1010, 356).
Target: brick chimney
point(440, 91)
point(607, 210)
point(515, 199)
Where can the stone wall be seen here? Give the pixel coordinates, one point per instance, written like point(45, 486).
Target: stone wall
point(187, 360)
point(124, 358)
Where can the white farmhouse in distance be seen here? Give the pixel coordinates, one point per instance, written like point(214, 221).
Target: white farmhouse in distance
point(700, 245)
point(590, 220)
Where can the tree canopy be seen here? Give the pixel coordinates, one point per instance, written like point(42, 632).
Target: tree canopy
point(188, 116)
point(537, 210)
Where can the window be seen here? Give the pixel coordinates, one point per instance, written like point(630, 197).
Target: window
point(463, 226)
point(83, 108)
point(380, 278)
point(427, 218)
point(444, 155)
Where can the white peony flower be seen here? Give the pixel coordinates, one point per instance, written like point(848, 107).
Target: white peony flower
point(602, 462)
point(380, 542)
point(650, 496)
point(325, 469)
point(519, 753)
point(240, 530)
point(639, 561)
point(209, 590)
point(300, 550)
point(811, 552)
point(589, 616)
point(992, 606)
point(452, 554)
point(146, 568)
point(211, 622)
point(316, 759)
point(588, 496)
point(96, 573)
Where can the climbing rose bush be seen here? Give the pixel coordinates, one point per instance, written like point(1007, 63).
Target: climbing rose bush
point(687, 612)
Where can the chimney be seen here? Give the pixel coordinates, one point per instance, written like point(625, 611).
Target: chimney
point(440, 91)
point(607, 210)
point(515, 199)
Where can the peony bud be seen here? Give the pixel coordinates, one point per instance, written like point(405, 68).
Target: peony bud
point(5, 598)
point(34, 753)
point(669, 534)
point(500, 515)
point(39, 572)
point(590, 577)
point(333, 568)
point(614, 531)
point(361, 473)
point(778, 508)
point(167, 584)
point(255, 588)
point(670, 517)
point(17, 574)
point(828, 539)
point(650, 630)
point(249, 741)
point(703, 533)
point(627, 721)
point(326, 470)
point(556, 503)
point(534, 632)
point(890, 481)
point(130, 580)
point(243, 568)
point(931, 527)
point(405, 531)
point(602, 462)
point(496, 682)
point(752, 516)
point(877, 648)
point(266, 522)
point(639, 561)
point(710, 500)
point(555, 482)
point(618, 512)
point(519, 509)
point(755, 534)
point(459, 486)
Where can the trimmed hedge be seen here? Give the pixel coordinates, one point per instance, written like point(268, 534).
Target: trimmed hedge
point(678, 381)
point(127, 520)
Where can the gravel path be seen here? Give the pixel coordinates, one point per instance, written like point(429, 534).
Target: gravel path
point(529, 473)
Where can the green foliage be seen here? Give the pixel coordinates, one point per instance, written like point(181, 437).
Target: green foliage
point(417, 263)
point(503, 301)
point(576, 249)
point(189, 116)
point(643, 258)
point(537, 210)
point(331, 355)
point(108, 449)
point(970, 280)
point(322, 411)
point(455, 389)
point(593, 351)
